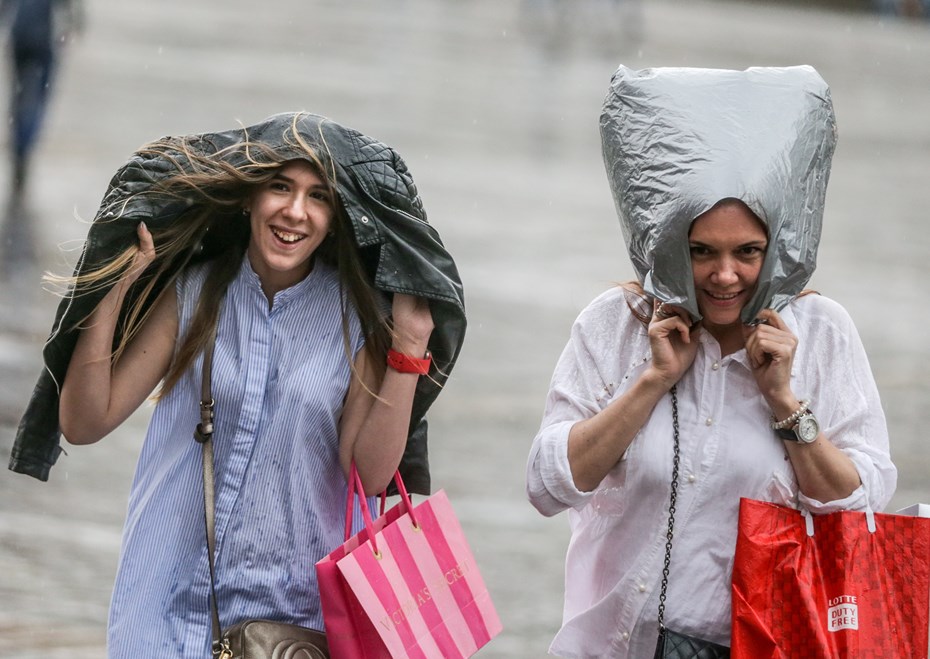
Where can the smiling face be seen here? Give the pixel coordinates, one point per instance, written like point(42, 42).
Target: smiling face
point(728, 245)
point(290, 215)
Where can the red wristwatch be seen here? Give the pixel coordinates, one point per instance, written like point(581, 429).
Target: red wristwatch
point(406, 364)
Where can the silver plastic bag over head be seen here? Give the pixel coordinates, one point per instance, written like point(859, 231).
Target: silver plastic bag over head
point(676, 141)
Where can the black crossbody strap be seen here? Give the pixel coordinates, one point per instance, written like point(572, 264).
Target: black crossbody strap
point(671, 510)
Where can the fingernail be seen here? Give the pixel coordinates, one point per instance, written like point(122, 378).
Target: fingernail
point(142, 224)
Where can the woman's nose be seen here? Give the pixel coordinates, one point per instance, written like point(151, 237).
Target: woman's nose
point(295, 208)
point(725, 272)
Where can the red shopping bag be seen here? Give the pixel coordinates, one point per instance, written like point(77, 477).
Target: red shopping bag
point(407, 585)
point(842, 585)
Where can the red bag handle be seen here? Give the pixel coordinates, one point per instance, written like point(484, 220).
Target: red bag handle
point(355, 487)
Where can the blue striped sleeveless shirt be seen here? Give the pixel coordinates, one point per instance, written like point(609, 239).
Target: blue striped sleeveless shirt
point(280, 377)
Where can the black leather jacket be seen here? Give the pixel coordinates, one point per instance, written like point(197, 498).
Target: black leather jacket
point(401, 252)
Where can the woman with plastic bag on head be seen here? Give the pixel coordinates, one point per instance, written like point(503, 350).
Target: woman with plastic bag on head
point(296, 252)
point(714, 376)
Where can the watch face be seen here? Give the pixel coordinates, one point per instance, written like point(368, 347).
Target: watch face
point(808, 428)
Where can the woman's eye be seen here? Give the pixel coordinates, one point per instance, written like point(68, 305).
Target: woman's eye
point(699, 250)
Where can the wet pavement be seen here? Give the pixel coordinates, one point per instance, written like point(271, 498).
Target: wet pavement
point(494, 106)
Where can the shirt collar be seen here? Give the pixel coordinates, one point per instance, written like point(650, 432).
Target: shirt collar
point(712, 347)
point(284, 297)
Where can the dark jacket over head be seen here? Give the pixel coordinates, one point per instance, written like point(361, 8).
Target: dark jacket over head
point(401, 253)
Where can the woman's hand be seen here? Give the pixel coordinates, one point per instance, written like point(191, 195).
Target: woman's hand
point(413, 324)
point(143, 257)
point(671, 337)
point(770, 347)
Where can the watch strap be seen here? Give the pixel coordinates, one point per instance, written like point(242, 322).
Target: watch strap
point(788, 434)
point(406, 364)
point(793, 434)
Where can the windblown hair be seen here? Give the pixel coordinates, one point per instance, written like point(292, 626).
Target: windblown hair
point(639, 302)
point(214, 187)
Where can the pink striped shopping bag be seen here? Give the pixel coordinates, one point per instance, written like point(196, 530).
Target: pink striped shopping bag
point(406, 585)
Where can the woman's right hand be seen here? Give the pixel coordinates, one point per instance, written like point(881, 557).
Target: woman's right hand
point(144, 256)
point(672, 339)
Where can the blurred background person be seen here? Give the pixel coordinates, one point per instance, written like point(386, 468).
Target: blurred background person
point(904, 8)
point(37, 28)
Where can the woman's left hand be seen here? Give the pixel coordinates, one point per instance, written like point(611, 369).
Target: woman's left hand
point(770, 347)
point(413, 324)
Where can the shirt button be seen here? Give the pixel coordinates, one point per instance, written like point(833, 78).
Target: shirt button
point(626, 636)
point(709, 422)
point(642, 588)
point(716, 366)
point(692, 478)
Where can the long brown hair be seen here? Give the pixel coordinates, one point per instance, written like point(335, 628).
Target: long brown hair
point(214, 187)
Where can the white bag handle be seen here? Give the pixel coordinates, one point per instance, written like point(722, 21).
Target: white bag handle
point(809, 520)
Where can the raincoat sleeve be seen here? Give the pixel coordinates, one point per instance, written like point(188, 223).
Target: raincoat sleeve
point(579, 389)
point(836, 376)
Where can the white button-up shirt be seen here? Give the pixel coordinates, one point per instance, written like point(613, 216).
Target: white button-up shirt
point(728, 450)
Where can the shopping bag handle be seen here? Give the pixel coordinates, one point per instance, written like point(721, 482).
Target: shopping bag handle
point(351, 498)
point(809, 520)
point(355, 487)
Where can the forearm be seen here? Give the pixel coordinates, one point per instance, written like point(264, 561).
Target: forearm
point(98, 393)
point(85, 393)
point(382, 437)
point(374, 429)
point(596, 444)
point(823, 471)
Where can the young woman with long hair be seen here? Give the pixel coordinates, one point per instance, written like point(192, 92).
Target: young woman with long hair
point(314, 370)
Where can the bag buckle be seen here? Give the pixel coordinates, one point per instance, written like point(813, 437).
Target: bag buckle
point(221, 650)
point(205, 428)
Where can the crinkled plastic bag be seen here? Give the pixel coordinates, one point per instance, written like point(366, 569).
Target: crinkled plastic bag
point(678, 140)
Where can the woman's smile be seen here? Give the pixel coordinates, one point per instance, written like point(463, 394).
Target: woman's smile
point(724, 299)
point(287, 237)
